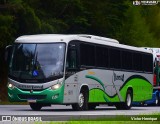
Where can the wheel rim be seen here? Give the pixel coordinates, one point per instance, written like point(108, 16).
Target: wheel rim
point(128, 100)
point(81, 100)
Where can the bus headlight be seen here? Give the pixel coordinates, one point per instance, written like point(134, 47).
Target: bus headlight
point(56, 86)
point(11, 86)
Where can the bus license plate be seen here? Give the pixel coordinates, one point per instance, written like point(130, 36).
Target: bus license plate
point(31, 100)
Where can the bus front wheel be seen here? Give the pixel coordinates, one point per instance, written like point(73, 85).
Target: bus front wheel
point(128, 102)
point(82, 101)
point(35, 106)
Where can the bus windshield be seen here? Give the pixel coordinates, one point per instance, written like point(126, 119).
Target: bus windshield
point(37, 62)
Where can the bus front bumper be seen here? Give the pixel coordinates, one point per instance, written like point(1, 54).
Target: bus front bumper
point(44, 96)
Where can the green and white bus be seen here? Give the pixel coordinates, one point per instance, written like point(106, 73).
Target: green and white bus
point(79, 70)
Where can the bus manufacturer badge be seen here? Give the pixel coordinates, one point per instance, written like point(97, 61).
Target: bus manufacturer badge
point(31, 91)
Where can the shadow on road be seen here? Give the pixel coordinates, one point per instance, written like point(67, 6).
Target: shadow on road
point(51, 109)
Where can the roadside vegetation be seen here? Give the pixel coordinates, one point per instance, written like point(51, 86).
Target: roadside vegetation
point(122, 119)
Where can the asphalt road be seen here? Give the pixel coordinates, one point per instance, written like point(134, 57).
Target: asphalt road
point(62, 112)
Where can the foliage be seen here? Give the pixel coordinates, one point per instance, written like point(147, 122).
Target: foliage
point(135, 30)
point(133, 25)
point(6, 31)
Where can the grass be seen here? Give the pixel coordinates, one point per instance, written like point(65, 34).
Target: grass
point(122, 119)
point(13, 103)
point(107, 122)
point(101, 122)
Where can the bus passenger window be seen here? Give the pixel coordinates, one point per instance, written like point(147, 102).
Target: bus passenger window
point(71, 59)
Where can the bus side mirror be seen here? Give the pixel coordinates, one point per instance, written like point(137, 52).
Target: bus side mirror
point(8, 54)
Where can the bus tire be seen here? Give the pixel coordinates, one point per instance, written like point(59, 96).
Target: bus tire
point(119, 106)
point(82, 101)
point(128, 102)
point(91, 106)
point(35, 106)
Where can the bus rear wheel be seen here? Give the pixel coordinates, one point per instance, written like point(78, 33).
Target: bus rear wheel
point(82, 102)
point(92, 106)
point(128, 102)
point(35, 106)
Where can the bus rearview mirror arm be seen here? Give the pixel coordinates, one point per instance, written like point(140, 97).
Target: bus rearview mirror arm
point(8, 51)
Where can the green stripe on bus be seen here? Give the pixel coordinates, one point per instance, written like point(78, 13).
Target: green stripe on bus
point(101, 83)
point(142, 90)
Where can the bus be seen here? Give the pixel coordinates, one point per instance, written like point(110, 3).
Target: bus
point(83, 71)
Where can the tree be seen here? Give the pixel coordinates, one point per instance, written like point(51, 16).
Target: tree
point(135, 30)
point(6, 31)
point(152, 16)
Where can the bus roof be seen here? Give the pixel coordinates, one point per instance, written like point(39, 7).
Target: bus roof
point(51, 38)
point(46, 38)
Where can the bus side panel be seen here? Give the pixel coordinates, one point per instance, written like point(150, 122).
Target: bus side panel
point(71, 89)
point(108, 86)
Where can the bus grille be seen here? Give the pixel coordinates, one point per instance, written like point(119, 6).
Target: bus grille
point(30, 89)
point(21, 96)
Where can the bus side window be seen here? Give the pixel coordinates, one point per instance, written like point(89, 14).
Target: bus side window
point(72, 59)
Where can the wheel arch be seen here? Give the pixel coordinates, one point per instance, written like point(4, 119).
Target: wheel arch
point(84, 92)
point(130, 88)
point(85, 87)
